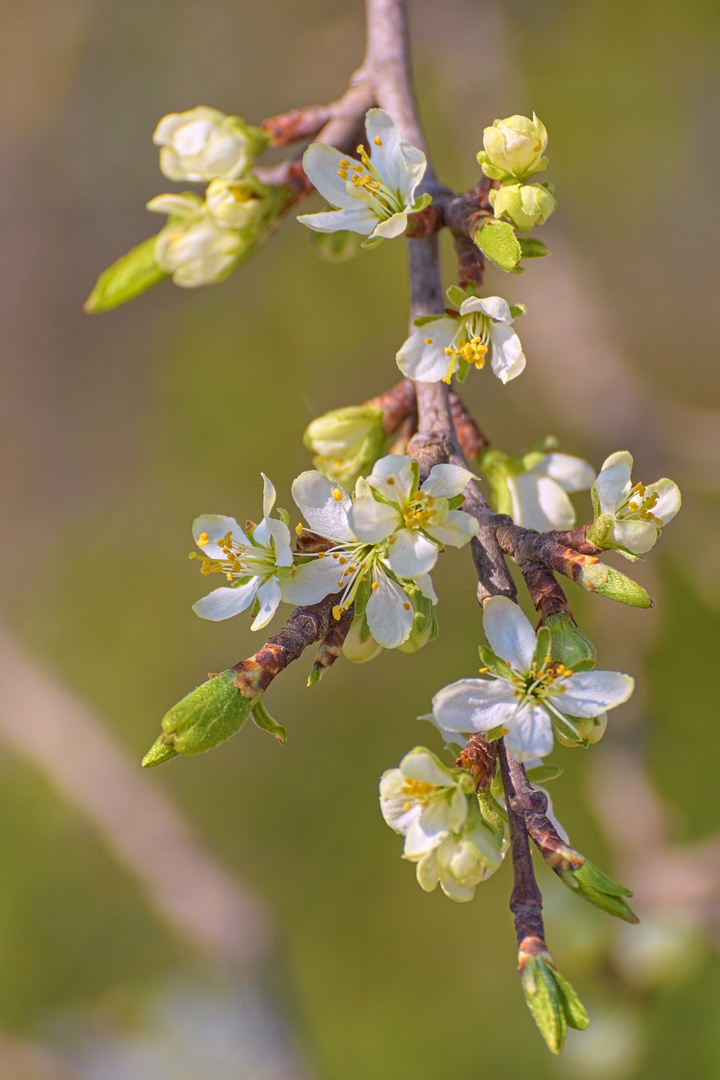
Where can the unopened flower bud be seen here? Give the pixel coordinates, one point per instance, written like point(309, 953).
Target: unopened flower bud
point(590, 730)
point(359, 645)
point(207, 716)
point(347, 442)
point(525, 205)
point(237, 204)
point(203, 143)
point(514, 148)
point(197, 252)
point(425, 626)
point(336, 247)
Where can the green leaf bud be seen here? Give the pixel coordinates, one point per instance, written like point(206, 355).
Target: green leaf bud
point(498, 242)
point(525, 205)
point(347, 442)
point(598, 889)
point(597, 577)
point(205, 717)
point(551, 999)
point(127, 278)
point(514, 148)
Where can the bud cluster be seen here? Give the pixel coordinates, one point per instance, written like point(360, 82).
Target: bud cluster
point(513, 151)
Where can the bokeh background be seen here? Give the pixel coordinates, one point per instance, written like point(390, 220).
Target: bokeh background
point(134, 907)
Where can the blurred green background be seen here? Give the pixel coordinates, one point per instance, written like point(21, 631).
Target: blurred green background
point(117, 430)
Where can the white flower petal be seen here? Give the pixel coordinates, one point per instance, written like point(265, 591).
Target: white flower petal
point(326, 515)
point(360, 219)
point(425, 585)
point(446, 481)
point(454, 891)
point(321, 164)
point(392, 226)
point(588, 693)
point(427, 872)
point(507, 358)
point(393, 477)
point(224, 603)
point(530, 734)
point(554, 504)
point(271, 530)
point(269, 496)
point(457, 529)
point(425, 362)
point(420, 765)
point(428, 830)
point(473, 705)
point(370, 520)
point(494, 306)
point(312, 581)
point(669, 499)
point(509, 632)
point(398, 814)
point(217, 526)
point(614, 482)
point(637, 536)
point(389, 614)
point(400, 165)
point(458, 810)
point(183, 205)
point(411, 553)
point(269, 596)
point(571, 473)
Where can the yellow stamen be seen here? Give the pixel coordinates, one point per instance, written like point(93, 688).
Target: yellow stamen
point(337, 613)
point(337, 494)
point(406, 607)
point(375, 584)
point(377, 140)
point(299, 529)
point(203, 539)
point(428, 341)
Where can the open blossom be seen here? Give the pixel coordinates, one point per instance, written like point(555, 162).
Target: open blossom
point(537, 497)
point(525, 694)
point(258, 564)
point(630, 518)
point(416, 520)
point(434, 808)
point(481, 332)
point(203, 143)
point(374, 195)
point(375, 544)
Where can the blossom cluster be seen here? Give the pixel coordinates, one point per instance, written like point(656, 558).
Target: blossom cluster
point(513, 150)
point(383, 542)
point(204, 239)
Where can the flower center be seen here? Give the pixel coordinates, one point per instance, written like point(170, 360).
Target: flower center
point(471, 345)
point(418, 791)
point(365, 180)
point(640, 509)
point(238, 560)
point(419, 511)
point(540, 681)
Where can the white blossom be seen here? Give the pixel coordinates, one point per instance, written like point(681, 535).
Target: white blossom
point(629, 517)
point(197, 251)
point(482, 330)
point(537, 496)
point(525, 695)
point(258, 564)
point(374, 195)
point(203, 143)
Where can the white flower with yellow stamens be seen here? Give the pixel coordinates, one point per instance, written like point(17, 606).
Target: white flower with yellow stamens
point(351, 567)
point(415, 519)
point(629, 518)
point(373, 195)
point(526, 694)
point(258, 564)
point(444, 344)
point(193, 247)
point(435, 809)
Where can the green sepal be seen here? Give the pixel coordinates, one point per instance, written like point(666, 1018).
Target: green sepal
point(543, 646)
point(209, 715)
point(516, 310)
point(456, 295)
point(492, 811)
point(283, 515)
point(371, 242)
point(532, 248)
point(497, 240)
point(565, 725)
point(543, 774)
point(568, 643)
point(423, 320)
point(362, 596)
point(264, 720)
point(495, 664)
point(421, 202)
point(495, 733)
point(456, 502)
point(128, 277)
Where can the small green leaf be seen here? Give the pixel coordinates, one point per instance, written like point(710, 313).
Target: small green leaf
point(456, 295)
point(542, 774)
point(532, 248)
point(264, 720)
point(127, 278)
point(497, 240)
